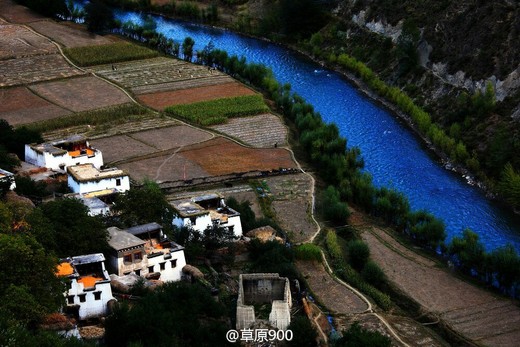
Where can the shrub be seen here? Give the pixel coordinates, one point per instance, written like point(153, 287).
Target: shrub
point(308, 251)
point(358, 253)
point(373, 274)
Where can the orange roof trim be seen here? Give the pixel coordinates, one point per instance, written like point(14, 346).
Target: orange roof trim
point(64, 269)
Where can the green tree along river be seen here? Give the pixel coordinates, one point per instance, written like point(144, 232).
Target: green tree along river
point(392, 154)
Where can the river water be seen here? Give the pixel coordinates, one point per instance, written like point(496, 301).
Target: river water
point(393, 155)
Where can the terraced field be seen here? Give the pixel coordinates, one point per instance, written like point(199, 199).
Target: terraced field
point(161, 100)
point(17, 41)
point(69, 34)
point(160, 74)
point(19, 105)
point(25, 70)
point(81, 94)
point(261, 131)
point(15, 13)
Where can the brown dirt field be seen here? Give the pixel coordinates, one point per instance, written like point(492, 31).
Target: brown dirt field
point(121, 147)
point(81, 94)
point(291, 203)
point(221, 156)
point(69, 36)
point(260, 131)
point(172, 137)
point(16, 41)
point(161, 100)
point(469, 310)
point(19, 106)
point(15, 13)
point(25, 70)
point(336, 297)
point(168, 167)
point(160, 74)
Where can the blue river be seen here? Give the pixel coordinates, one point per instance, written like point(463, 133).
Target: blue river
point(393, 155)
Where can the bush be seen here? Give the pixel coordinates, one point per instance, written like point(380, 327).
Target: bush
point(373, 274)
point(358, 253)
point(308, 251)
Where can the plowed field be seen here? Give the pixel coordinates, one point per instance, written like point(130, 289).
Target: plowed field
point(19, 106)
point(70, 35)
point(161, 100)
point(17, 41)
point(81, 94)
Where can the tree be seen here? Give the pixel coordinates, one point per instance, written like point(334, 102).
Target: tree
point(509, 186)
point(75, 232)
point(98, 16)
point(426, 230)
point(187, 48)
point(373, 274)
point(468, 252)
point(356, 336)
point(505, 264)
point(143, 205)
point(407, 44)
point(183, 315)
point(333, 208)
point(304, 334)
point(358, 253)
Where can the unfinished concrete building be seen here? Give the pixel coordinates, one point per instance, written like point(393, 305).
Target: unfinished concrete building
point(260, 289)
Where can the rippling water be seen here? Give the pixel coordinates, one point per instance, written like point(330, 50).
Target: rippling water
point(394, 156)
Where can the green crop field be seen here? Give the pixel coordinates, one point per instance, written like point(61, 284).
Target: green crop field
point(107, 54)
point(218, 111)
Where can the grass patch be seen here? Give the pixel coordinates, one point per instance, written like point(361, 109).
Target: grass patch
point(94, 117)
point(218, 111)
point(106, 54)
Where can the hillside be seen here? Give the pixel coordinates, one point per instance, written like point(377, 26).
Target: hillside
point(459, 61)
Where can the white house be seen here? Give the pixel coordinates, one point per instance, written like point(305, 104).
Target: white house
point(86, 178)
point(205, 211)
point(88, 289)
point(57, 155)
point(146, 251)
point(98, 202)
point(7, 177)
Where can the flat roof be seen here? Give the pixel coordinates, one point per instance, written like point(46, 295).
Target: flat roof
point(88, 259)
point(144, 228)
point(210, 196)
point(53, 146)
point(88, 172)
point(4, 173)
point(120, 239)
point(188, 208)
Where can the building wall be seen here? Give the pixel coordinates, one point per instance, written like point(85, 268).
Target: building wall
point(235, 222)
point(201, 222)
point(53, 162)
point(172, 265)
point(91, 307)
point(92, 186)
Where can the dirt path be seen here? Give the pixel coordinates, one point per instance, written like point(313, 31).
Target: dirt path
point(476, 314)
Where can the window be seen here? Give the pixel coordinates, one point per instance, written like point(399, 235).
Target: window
point(138, 272)
point(163, 266)
point(150, 269)
point(70, 299)
point(174, 263)
point(97, 295)
point(118, 181)
point(127, 258)
point(82, 297)
point(138, 256)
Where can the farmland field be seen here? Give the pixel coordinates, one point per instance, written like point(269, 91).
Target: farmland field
point(36, 68)
point(108, 53)
point(160, 74)
point(160, 100)
point(19, 106)
point(172, 137)
point(17, 14)
point(221, 156)
point(260, 131)
point(219, 110)
point(121, 147)
point(70, 34)
point(78, 94)
point(17, 41)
